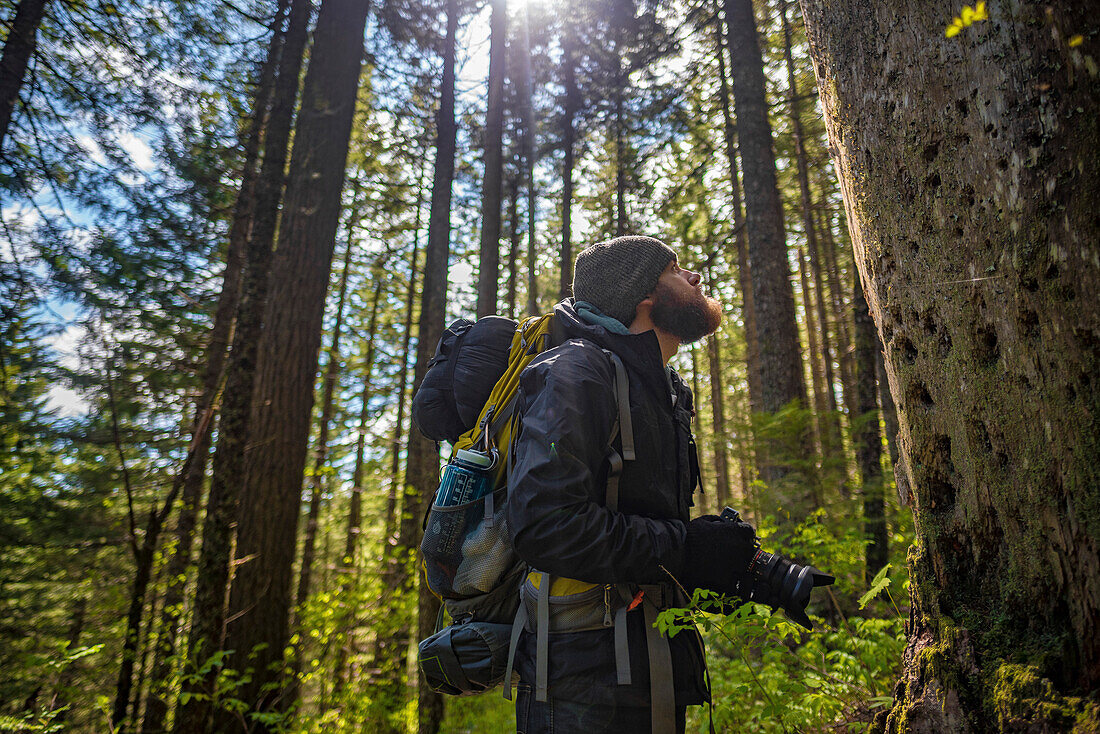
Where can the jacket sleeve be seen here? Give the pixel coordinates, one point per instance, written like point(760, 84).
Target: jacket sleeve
point(556, 517)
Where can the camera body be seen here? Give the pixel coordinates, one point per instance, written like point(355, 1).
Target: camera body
point(779, 582)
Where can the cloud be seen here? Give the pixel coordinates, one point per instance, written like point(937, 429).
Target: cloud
point(138, 150)
point(66, 402)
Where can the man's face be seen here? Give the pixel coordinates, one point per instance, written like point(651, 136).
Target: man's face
point(681, 309)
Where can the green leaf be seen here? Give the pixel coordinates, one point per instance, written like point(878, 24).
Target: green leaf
point(880, 582)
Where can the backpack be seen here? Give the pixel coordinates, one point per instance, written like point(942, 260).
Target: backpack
point(468, 562)
point(466, 557)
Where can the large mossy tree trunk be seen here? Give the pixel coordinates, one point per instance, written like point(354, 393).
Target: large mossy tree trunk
point(970, 173)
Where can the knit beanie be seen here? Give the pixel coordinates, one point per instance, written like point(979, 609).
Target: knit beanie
point(614, 276)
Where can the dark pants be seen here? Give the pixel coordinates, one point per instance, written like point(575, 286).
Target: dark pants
point(574, 717)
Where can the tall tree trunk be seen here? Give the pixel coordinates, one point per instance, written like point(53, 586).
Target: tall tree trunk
point(718, 417)
point(866, 437)
point(527, 121)
point(571, 104)
point(212, 577)
point(320, 453)
point(890, 425)
point(514, 236)
point(492, 183)
point(821, 361)
point(355, 508)
point(146, 649)
point(260, 597)
point(970, 176)
point(157, 703)
point(700, 436)
point(390, 524)
point(817, 378)
point(622, 225)
point(840, 316)
point(144, 556)
point(744, 274)
point(18, 48)
point(773, 297)
point(422, 472)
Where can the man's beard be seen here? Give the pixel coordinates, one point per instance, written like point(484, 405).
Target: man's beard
point(688, 317)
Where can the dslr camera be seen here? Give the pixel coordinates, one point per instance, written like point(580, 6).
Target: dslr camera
point(779, 582)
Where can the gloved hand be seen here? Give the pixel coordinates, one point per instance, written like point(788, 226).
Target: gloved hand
point(718, 554)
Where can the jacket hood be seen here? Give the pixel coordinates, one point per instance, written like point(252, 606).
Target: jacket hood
point(640, 352)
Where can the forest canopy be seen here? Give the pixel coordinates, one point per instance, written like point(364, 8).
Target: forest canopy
point(232, 234)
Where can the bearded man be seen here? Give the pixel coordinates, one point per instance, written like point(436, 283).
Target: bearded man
point(600, 493)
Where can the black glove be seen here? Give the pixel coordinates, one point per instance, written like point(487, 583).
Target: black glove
point(777, 581)
point(718, 554)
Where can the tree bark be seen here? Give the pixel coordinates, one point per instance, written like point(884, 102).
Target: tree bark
point(18, 49)
point(718, 416)
point(492, 183)
point(622, 224)
point(740, 238)
point(773, 296)
point(156, 703)
point(144, 555)
point(817, 378)
point(867, 439)
point(390, 525)
point(514, 237)
point(840, 316)
point(260, 597)
point(213, 573)
point(422, 471)
point(970, 174)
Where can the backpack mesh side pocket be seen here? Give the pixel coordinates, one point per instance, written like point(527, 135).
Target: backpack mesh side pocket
point(465, 547)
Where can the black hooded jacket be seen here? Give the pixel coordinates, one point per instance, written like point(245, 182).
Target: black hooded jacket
point(557, 519)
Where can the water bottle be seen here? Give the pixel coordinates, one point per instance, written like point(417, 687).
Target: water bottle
point(466, 477)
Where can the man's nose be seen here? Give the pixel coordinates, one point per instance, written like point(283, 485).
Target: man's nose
point(694, 278)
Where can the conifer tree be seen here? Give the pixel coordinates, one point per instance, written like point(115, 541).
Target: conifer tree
point(772, 294)
point(260, 596)
point(492, 182)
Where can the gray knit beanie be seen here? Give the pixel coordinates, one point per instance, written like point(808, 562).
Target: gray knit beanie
point(615, 276)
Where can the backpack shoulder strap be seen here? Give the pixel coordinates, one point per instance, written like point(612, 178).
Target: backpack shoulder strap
point(623, 427)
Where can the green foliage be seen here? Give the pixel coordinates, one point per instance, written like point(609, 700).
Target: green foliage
point(767, 671)
point(487, 712)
